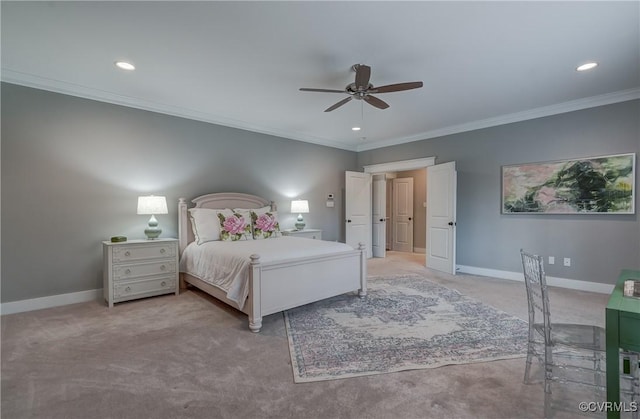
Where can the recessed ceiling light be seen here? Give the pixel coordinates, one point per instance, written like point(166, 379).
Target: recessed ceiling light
point(355, 129)
point(125, 65)
point(587, 66)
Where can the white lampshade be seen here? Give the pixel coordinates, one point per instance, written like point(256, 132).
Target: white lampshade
point(149, 205)
point(300, 206)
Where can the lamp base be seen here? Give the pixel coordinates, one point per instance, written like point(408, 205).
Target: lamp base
point(300, 224)
point(153, 231)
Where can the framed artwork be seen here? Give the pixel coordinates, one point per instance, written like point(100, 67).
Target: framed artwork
point(593, 185)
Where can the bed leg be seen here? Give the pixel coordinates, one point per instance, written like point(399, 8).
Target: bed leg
point(183, 283)
point(255, 309)
point(255, 325)
point(362, 292)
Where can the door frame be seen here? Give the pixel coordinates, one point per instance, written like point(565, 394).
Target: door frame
point(400, 166)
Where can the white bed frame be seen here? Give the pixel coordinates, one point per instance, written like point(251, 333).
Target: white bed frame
point(278, 286)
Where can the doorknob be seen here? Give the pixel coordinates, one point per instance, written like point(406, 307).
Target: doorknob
point(348, 221)
point(451, 223)
point(409, 218)
point(382, 220)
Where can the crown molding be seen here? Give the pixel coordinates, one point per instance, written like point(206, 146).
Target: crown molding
point(72, 89)
point(573, 105)
point(77, 90)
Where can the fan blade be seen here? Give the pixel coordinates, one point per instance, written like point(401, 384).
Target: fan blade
point(363, 74)
point(337, 105)
point(396, 87)
point(372, 100)
point(308, 89)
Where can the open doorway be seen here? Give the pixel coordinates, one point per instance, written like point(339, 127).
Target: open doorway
point(406, 211)
point(440, 212)
point(385, 227)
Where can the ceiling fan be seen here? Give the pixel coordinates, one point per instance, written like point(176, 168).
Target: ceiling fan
point(361, 89)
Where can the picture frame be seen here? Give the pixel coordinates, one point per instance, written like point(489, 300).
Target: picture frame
point(590, 185)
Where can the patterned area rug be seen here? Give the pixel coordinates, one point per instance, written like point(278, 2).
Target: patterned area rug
point(405, 322)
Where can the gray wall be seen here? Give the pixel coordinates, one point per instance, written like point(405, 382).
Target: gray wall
point(72, 170)
point(599, 245)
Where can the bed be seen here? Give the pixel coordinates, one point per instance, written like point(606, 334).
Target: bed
point(277, 273)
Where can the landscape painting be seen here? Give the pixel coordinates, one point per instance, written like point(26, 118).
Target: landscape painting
point(594, 185)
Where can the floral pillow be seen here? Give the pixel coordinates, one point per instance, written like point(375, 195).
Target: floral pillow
point(265, 223)
point(234, 226)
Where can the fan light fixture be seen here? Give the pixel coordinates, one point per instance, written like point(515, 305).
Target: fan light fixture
point(363, 90)
point(587, 66)
point(125, 65)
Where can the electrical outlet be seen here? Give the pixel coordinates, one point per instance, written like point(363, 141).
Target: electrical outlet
point(552, 260)
point(567, 261)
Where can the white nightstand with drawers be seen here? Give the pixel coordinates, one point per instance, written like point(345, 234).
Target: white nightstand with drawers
point(307, 233)
point(139, 268)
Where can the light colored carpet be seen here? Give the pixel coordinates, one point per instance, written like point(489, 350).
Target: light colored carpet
point(189, 356)
point(404, 323)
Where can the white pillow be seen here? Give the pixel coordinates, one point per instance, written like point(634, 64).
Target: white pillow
point(264, 223)
point(206, 224)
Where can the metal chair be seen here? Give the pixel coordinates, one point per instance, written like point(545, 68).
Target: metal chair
point(572, 354)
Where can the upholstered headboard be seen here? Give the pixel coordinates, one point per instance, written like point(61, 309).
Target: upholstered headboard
point(215, 201)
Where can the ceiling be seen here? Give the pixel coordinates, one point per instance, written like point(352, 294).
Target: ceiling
point(240, 64)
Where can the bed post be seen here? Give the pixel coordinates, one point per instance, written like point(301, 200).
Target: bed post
point(362, 292)
point(182, 224)
point(182, 235)
point(255, 309)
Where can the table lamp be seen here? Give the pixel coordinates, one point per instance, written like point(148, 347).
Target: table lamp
point(152, 205)
point(300, 206)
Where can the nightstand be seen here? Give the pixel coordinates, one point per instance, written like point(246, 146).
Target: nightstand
point(307, 233)
point(139, 268)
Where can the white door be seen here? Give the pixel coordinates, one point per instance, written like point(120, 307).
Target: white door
point(388, 221)
point(403, 214)
point(441, 217)
point(358, 210)
point(379, 210)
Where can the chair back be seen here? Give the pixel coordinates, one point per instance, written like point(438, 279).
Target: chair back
point(537, 293)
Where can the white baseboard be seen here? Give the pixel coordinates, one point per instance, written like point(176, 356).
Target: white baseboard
point(551, 280)
point(92, 295)
point(419, 250)
point(51, 301)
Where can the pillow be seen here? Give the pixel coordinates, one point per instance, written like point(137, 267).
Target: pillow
point(205, 224)
point(235, 225)
point(265, 223)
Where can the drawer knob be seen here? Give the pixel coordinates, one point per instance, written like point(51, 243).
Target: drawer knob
point(162, 250)
point(163, 283)
point(127, 253)
point(127, 271)
point(163, 268)
point(127, 289)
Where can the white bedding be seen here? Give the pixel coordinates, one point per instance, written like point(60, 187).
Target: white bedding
point(226, 264)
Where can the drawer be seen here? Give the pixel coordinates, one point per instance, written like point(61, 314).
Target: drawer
point(629, 331)
point(131, 271)
point(128, 290)
point(147, 251)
